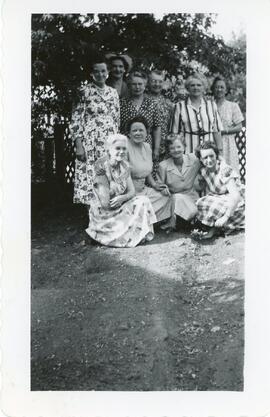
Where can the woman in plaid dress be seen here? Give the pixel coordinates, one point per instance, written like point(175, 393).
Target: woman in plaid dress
point(223, 206)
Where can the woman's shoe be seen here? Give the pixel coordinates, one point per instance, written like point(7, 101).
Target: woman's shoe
point(200, 235)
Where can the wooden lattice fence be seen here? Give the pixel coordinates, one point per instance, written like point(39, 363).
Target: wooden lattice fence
point(53, 157)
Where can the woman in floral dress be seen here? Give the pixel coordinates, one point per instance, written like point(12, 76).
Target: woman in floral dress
point(223, 206)
point(231, 118)
point(117, 217)
point(96, 116)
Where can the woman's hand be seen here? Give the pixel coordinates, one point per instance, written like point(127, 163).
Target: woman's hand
point(222, 221)
point(117, 201)
point(162, 188)
point(80, 154)
point(156, 155)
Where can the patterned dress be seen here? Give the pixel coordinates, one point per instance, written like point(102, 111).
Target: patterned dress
point(165, 108)
point(216, 202)
point(231, 116)
point(148, 109)
point(197, 125)
point(140, 162)
point(93, 119)
point(121, 227)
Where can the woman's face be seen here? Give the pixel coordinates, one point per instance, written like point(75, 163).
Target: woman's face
point(117, 69)
point(137, 132)
point(195, 88)
point(137, 86)
point(176, 149)
point(208, 158)
point(220, 89)
point(155, 83)
point(118, 151)
point(100, 74)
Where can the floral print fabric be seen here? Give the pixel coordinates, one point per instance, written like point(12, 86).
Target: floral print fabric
point(95, 117)
point(125, 226)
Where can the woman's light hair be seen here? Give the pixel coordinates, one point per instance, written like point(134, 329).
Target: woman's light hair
point(112, 139)
point(197, 76)
point(137, 73)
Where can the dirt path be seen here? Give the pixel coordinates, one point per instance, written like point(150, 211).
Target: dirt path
point(164, 316)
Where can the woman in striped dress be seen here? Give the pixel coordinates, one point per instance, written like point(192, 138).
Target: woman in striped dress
point(196, 117)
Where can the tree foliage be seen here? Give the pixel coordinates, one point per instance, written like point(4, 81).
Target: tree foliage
point(63, 46)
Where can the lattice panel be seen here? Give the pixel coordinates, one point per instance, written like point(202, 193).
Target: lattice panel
point(69, 150)
point(69, 157)
point(240, 140)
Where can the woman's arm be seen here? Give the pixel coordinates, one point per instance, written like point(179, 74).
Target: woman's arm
point(80, 151)
point(129, 194)
point(103, 190)
point(156, 132)
point(158, 186)
point(234, 198)
point(218, 141)
point(231, 130)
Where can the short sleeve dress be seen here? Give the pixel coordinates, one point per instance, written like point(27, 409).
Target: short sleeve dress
point(197, 125)
point(125, 226)
point(96, 116)
point(140, 162)
point(184, 201)
point(165, 108)
point(148, 109)
point(231, 116)
point(215, 203)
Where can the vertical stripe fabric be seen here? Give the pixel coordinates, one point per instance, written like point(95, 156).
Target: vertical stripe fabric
point(197, 125)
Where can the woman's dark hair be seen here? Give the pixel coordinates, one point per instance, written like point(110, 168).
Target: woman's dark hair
point(217, 79)
point(206, 145)
point(98, 59)
point(114, 58)
point(136, 119)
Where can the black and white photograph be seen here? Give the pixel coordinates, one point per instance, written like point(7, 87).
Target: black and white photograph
point(138, 203)
point(135, 231)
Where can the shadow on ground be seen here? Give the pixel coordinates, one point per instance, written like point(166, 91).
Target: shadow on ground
point(163, 316)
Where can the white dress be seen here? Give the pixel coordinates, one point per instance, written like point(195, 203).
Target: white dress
point(231, 116)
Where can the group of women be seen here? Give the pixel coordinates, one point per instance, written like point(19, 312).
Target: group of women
point(141, 160)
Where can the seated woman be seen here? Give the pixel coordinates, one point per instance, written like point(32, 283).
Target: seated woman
point(117, 217)
point(223, 206)
point(141, 165)
point(179, 172)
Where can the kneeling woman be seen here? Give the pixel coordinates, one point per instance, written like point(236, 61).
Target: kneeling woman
point(141, 165)
point(179, 172)
point(117, 217)
point(223, 206)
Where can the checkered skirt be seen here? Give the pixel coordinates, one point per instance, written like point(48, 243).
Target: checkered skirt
point(215, 204)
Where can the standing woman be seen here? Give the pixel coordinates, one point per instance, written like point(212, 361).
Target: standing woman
point(119, 65)
point(231, 118)
point(138, 104)
point(165, 107)
point(95, 117)
point(196, 117)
